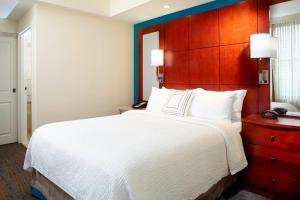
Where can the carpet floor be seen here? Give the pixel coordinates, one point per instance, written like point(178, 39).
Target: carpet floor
point(15, 182)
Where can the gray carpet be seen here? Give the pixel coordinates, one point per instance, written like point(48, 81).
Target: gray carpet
point(245, 195)
point(15, 182)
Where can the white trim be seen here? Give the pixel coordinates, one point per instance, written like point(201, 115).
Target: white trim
point(21, 137)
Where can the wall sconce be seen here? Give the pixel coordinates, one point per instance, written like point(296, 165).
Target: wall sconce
point(263, 45)
point(157, 59)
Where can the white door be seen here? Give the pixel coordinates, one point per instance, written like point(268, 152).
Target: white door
point(8, 94)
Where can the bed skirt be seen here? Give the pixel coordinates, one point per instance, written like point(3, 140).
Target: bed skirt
point(44, 189)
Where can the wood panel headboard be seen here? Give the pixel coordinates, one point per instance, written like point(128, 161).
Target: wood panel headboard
point(211, 50)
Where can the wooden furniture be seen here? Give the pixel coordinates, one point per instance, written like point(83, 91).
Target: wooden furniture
point(273, 151)
point(127, 108)
point(211, 50)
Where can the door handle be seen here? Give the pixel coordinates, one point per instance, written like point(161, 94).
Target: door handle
point(273, 182)
point(273, 137)
point(273, 160)
point(14, 90)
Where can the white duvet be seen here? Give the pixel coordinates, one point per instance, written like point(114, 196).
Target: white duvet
point(136, 156)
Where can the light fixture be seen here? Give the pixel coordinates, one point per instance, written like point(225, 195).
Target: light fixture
point(157, 59)
point(166, 6)
point(263, 46)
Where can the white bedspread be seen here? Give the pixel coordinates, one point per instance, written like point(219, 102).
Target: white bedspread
point(136, 156)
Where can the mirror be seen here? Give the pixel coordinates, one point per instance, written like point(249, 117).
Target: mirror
point(285, 69)
point(150, 42)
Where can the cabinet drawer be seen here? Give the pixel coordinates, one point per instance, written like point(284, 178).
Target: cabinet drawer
point(274, 159)
point(286, 139)
point(273, 181)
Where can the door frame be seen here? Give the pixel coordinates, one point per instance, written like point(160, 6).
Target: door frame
point(22, 136)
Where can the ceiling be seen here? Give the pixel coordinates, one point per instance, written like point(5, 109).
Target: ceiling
point(155, 8)
point(21, 8)
point(6, 6)
point(132, 11)
point(98, 7)
point(15, 9)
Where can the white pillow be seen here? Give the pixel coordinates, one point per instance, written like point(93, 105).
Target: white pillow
point(238, 99)
point(239, 96)
point(211, 105)
point(157, 100)
point(177, 102)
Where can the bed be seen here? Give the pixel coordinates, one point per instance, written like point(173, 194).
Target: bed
point(138, 155)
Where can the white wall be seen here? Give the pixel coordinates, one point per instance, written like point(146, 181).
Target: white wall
point(84, 64)
point(8, 26)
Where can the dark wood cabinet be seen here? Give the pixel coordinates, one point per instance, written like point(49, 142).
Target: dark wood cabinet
point(238, 22)
point(176, 67)
point(236, 66)
point(177, 35)
point(204, 66)
point(204, 30)
point(272, 148)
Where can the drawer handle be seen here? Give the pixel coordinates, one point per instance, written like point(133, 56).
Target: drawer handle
point(273, 160)
point(273, 137)
point(273, 182)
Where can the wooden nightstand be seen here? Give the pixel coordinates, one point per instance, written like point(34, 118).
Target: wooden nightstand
point(273, 151)
point(127, 108)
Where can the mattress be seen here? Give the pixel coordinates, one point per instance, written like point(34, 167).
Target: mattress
point(136, 155)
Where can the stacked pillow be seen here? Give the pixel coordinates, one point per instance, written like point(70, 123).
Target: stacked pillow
point(211, 105)
point(177, 102)
point(157, 100)
point(217, 105)
point(198, 103)
point(169, 101)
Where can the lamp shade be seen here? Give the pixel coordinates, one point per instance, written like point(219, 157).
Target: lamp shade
point(263, 45)
point(157, 57)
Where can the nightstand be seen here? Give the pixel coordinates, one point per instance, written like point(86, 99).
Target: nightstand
point(272, 148)
point(127, 108)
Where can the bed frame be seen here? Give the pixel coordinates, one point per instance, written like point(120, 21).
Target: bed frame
point(43, 189)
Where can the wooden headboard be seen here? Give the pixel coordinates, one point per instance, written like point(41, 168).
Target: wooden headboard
point(211, 50)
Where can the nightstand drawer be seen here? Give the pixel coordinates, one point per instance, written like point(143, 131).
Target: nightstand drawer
point(286, 139)
point(273, 159)
point(273, 181)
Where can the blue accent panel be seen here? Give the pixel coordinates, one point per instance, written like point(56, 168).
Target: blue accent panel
point(38, 194)
point(183, 13)
point(190, 11)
